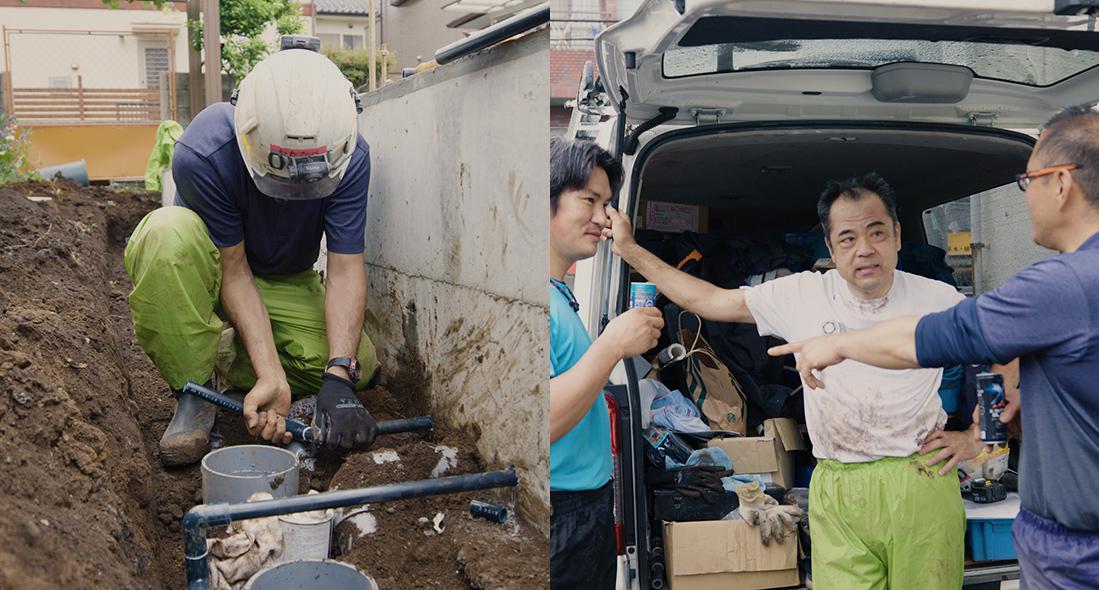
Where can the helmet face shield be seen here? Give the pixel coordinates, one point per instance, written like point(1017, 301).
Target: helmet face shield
point(307, 174)
point(281, 188)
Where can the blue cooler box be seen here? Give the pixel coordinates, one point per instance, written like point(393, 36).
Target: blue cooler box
point(988, 529)
point(989, 539)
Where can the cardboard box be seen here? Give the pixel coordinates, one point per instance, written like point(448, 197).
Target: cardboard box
point(768, 454)
point(674, 217)
point(726, 555)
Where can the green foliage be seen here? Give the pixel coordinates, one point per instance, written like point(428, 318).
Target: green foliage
point(15, 165)
point(355, 64)
point(242, 24)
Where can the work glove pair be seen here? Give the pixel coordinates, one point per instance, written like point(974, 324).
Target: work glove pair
point(774, 520)
point(695, 481)
point(343, 421)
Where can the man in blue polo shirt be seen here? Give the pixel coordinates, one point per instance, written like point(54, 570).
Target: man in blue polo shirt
point(583, 178)
point(1047, 316)
point(259, 182)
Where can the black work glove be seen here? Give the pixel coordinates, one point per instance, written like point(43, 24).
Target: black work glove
point(696, 481)
point(344, 422)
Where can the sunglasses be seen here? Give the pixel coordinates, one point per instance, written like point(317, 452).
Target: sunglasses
point(1023, 180)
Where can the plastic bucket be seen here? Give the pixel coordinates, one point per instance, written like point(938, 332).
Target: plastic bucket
point(306, 535)
point(232, 474)
point(308, 575)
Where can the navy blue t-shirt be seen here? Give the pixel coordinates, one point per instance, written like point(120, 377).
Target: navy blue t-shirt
point(1047, 315)
point(280, 236)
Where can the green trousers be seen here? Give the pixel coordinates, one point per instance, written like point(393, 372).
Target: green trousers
point(891, 523)
point(178, 320)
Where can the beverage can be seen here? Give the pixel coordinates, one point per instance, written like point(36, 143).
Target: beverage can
point(642, 295)
point(991, 400)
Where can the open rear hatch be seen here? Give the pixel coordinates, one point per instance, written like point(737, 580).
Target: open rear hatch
point(719, 60)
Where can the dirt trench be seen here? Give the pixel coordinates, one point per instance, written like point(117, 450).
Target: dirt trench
point(84, 501)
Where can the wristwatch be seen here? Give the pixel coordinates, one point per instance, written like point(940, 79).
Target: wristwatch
point(349, 363)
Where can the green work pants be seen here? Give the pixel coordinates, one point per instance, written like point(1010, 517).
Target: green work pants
point(175, 303)
point(892, 523)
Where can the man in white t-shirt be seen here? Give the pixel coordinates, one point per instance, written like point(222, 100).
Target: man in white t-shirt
point(883, 514)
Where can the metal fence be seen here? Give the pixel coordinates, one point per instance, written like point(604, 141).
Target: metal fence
point(66, 77)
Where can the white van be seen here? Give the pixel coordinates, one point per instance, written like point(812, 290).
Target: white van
point(739, 111)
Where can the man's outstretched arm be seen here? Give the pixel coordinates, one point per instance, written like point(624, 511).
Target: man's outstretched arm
point(707, 300)
point(889, 345)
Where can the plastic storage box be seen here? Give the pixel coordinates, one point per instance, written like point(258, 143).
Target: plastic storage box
point(989, 539)
point(988, 528)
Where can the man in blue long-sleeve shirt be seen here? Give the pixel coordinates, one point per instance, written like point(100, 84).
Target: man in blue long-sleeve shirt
point(1047, 316)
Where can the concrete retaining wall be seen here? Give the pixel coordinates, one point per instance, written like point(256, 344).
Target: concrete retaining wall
point(456, 251)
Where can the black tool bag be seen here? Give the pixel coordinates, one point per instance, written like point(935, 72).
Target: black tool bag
point(671, 506)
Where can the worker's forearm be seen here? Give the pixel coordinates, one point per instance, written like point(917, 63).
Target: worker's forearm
point(248, 314)
point(889, 345)
point(573, 392)
point(692, 293)
point(344, 304)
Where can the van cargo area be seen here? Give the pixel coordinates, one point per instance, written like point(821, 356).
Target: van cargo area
point(767, 177)
point(736, 204)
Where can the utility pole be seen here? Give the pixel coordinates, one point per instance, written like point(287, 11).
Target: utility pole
point(211, 41)
point(373, 49)
point(194, 62)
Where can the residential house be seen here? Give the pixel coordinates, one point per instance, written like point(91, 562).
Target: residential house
point(91, 82)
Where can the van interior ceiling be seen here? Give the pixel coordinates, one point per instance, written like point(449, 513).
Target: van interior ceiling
point(766, 180)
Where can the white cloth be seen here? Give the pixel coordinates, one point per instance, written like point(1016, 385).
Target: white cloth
point(248, 547)
point(864, 413)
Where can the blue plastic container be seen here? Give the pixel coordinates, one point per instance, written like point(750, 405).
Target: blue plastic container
point(989, 539)
point(950, 397)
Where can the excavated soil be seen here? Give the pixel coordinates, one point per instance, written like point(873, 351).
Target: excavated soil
point(84, 501)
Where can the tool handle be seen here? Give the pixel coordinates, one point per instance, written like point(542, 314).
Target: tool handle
point(298, 430)
point(218, 399)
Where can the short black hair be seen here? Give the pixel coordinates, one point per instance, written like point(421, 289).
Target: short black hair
point(1072, 137)
point(571, 163)
point(855, 189)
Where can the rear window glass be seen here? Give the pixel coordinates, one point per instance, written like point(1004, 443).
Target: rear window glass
point(1022, 56)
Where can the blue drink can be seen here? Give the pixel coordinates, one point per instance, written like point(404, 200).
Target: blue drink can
point(642, 295)
point(991, 400)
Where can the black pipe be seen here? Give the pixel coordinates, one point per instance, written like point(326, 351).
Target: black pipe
point(301, 432)
point(405, 425)
point(521, 22)
point(202, 516)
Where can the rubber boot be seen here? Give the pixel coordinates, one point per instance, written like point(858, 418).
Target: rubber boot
point(187, 437)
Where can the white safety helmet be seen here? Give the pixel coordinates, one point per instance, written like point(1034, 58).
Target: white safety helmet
point(296, 123)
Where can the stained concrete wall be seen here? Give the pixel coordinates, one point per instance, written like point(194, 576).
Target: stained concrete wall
point(456, 251)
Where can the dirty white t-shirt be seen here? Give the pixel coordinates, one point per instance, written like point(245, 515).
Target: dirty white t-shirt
point(864, 413)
